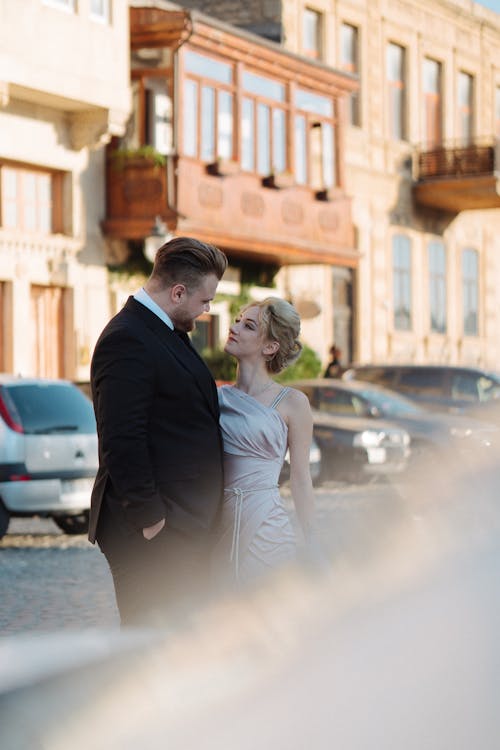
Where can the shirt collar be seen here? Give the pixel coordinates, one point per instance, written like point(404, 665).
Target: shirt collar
point(143, 297)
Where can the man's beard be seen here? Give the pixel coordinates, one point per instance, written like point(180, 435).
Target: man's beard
point(184, 324)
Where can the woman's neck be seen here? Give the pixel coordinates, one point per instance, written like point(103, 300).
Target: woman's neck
point(253, 380)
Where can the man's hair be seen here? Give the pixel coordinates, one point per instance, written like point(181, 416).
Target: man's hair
point(187, 261)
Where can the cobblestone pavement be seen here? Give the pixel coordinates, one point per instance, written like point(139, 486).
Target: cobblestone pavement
point(52, 581)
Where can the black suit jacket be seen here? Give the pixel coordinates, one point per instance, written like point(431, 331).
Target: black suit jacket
point(160, 448)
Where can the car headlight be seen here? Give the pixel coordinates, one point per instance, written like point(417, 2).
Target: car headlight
point(368, 439)
point(314, 454)
point(460, 432)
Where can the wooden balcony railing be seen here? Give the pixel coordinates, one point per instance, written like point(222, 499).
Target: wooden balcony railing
point(456, 161)
point(459, 176)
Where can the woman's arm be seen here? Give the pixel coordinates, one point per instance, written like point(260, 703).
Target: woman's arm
point(297, 413)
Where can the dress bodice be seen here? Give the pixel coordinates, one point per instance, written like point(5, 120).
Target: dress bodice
point(255, 440)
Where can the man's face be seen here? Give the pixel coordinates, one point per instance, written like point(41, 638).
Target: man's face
point(194, 303)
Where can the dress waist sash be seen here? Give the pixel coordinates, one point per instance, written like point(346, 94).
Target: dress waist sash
point(239, 494)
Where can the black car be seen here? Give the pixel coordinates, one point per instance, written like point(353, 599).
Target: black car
point(442, 387)
point(355, 448)
point(435, 438)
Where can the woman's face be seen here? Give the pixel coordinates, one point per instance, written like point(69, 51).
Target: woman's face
point(245, 335)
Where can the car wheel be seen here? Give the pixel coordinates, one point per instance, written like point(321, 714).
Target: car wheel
point(78, 524)
point(4, 520)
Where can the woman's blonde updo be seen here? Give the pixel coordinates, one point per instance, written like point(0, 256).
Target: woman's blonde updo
point(279, 321)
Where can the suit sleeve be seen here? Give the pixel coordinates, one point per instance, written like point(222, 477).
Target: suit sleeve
point(124, 390)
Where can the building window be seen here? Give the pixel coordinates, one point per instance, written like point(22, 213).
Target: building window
point(470, 291)
point(349, 62)
point(263, 127)
point(397, 91)
point(465, 106)
point(312, 33)
point(30, 200)
point(99, 10)
point(208, 99)
point(266, 108)
point(432, 77)
point(437, 286)
point(401, 269)
point(315, 136)
point(497, 111)
point(68, 5)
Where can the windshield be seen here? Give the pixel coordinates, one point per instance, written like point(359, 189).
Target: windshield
point(489, 387)
point(51, 408)
point(390, 404)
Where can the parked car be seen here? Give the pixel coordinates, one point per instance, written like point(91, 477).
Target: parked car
point(314, 465)
point(435, 438)
point(48, 452)
point(354, 448)
point(442, 387)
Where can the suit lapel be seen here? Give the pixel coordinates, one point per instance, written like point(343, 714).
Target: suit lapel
point(186, 354)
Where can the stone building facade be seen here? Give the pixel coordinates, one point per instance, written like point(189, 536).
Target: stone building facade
point(427, 288)
point(64, 91)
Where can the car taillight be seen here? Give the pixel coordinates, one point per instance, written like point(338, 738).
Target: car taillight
point(9, 413)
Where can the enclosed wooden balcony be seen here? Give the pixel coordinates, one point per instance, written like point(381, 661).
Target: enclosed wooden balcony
point(238, 212)
point(136, 192)
point(459, 177)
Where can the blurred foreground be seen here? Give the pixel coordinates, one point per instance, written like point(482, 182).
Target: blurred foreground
point(390, 646)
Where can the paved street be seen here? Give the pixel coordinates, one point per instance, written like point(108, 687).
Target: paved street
point(392, 646)
point(52, 581)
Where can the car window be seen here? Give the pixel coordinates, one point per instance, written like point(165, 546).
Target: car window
point(390, 404)
point(422, 380)
point(51, 407)
point(336, 402)
point(464, 386)
point(381, 375)
point(488, 388)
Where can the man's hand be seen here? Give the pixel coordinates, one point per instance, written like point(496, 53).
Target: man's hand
point(151, 531)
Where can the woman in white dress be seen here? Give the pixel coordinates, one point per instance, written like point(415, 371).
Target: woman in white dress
point(260, 419)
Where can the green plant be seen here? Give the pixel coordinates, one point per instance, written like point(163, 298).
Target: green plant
point(221, 365)
point(308, 365)
point(123, 154)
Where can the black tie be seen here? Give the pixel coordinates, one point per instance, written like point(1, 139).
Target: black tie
point(183, 336)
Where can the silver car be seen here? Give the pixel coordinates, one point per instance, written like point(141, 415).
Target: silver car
point(48, 452)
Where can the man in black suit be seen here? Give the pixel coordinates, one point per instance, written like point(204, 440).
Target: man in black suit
point(159, 487)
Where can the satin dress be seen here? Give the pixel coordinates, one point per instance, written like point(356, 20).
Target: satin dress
point(256, 531)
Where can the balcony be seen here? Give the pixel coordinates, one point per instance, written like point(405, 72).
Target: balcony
point(136, 192)
point(459, 177)
point(226, 207)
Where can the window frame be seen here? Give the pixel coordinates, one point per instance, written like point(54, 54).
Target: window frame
point(465, 109)
point(68, 6)
point(497, 110)
point(247, 98)
point(315, 52)
point(437, 286)
point(397, 94)
point(22, 201)
point(433, 105)
point(104, 16)
point(204, 83)
point(351, 64)
point(402, 283)
point(470, 292)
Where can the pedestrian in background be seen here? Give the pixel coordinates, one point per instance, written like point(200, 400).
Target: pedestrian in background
point(158, 491)
point(334, 366)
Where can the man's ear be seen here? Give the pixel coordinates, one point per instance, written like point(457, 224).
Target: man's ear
point(177, 293)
